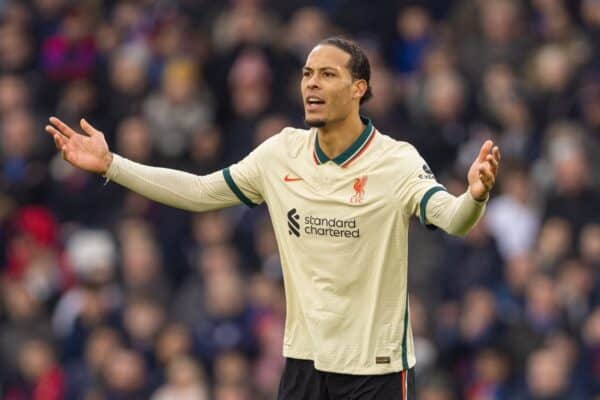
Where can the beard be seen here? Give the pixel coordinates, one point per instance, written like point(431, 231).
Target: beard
point(315, 123)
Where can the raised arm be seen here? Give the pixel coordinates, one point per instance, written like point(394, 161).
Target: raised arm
point(179, 189)
point(457, 215)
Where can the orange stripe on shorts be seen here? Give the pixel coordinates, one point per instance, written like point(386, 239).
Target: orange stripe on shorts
point(403, 378)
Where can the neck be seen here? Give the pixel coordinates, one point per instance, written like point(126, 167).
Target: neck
point(336, 137)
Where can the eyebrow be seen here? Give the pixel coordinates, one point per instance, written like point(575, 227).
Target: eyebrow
point(319, 69)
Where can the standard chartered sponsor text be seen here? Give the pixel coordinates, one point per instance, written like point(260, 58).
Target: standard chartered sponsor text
point(334, 227)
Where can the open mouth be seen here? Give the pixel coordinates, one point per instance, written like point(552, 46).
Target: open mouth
point(314, 103)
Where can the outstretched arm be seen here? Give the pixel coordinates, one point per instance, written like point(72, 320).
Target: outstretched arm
point(457, 215)
point(174, 188)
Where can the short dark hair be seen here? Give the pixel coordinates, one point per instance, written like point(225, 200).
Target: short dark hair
point(358, 64)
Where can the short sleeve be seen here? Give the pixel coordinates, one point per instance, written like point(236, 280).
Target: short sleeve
point(418, 186)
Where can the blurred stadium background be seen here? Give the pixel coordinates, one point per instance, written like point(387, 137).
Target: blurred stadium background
point(105, 295)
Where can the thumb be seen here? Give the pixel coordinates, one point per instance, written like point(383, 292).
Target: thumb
point(485, 150)
point(88, 128)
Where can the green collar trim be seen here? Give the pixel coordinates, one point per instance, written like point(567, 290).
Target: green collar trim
point(350, 153)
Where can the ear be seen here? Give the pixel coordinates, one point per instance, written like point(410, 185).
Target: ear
point(359, 88)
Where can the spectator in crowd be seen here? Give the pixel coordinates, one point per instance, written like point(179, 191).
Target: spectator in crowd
point(23, 174)
point(24, 319)
point(591, 351)
point(306, 27)
point(250, 88)
point(16, 48)
point(141, 264)
point(127, 85)
point(501, 38)
point(178, 109)
point(43, 378)
point(415, 36)
point(133, 139)
point(547, 376)
point(70, 53)
point(90, 302)
point(511, 217)
point(173, 341)
point(184, 381)
point(85, 373)
point(14, 94)
point(124, 376)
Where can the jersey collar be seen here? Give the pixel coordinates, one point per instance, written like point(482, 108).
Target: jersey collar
point(352, 152)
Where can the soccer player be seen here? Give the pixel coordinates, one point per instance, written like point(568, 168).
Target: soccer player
point(340, 196)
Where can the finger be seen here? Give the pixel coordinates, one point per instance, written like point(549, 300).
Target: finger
point(485, 150)
point(493, 163)
point(496, 153)
point(88, 128)
point(68, 154)
point(487, 170)
point(487, 178)
point(52, 131)
point(488, 184)
point(59, 141)
point(63, 128)
point(63, 152)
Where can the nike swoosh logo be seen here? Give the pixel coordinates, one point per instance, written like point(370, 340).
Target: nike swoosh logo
point(288, 178)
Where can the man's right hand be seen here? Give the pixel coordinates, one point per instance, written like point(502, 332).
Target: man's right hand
point(89, 152)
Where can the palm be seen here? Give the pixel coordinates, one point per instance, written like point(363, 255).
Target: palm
point(483, 171)
point(86, 152)
point(473, 177)
point(89, 152)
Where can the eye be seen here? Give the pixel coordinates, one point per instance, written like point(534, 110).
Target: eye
point(305, 73)
point(328, 74)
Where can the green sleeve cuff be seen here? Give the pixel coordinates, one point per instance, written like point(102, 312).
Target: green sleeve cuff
point(236, 190)
point(425, 200)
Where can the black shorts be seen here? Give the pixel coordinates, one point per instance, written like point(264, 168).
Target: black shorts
point(301, 381)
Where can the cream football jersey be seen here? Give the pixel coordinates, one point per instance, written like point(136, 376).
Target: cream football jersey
point(342, 229)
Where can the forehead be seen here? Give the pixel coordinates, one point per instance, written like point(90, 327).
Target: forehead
point(327, 56)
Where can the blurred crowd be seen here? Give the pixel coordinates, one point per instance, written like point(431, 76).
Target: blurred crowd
point(105, 295)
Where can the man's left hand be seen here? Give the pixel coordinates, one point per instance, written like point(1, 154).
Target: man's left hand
point(483, 171)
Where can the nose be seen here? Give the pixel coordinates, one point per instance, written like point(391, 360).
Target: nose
point(312, 82)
